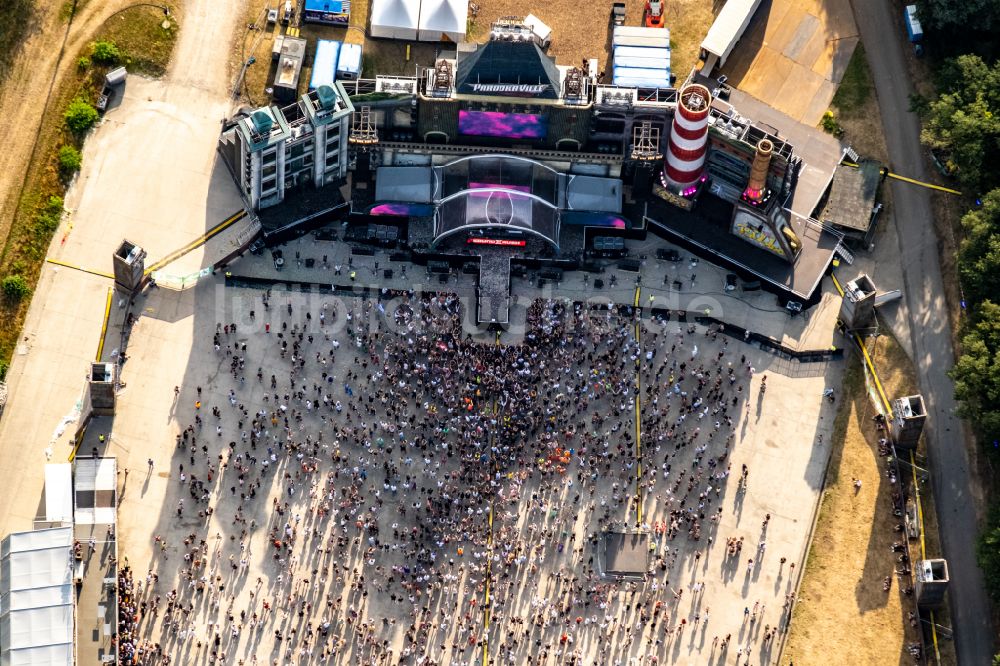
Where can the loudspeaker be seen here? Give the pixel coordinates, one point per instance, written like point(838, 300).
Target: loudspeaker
point(387, 274)
point(642, 181)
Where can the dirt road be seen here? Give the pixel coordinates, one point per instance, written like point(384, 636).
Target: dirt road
point(45, 55)
point(952, 476)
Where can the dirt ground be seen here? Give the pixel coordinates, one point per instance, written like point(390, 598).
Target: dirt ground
point(580, 34)
point(574, 37)
point(842, 614)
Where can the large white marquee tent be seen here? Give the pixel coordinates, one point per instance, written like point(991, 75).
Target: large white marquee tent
point(420, 20)
point(36, 598)
point(395, 19)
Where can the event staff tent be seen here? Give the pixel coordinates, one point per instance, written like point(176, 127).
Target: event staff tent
point(395, 19)
point(443, 20)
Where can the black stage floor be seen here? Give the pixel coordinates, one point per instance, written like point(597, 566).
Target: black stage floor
point(626, 554)
point(705, 231)
point(303, 210)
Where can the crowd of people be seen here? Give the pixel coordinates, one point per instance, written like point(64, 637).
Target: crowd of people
point(388, 482)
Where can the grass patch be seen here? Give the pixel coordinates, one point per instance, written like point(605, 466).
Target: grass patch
point(38, 216)
point(16, 21)
point(856, 87)
point(71, 8)
point(144, 43)
point(843, 615)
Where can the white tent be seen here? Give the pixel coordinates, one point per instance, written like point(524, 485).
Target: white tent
point(443, 20)
point(36, 598)
point(395, 19)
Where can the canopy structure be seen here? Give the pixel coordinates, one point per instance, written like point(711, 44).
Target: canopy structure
point(443, 20)
point(36, 598)
point(395, 19)
point(95, 492)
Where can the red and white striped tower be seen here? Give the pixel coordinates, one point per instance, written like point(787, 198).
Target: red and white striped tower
point(688, 143)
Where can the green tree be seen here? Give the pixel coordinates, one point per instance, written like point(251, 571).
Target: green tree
point(954, 15)
point(15, 287)
point(988, 555)
point(977, 373)
point(106, 53)
point(70, 161)
point(48, 217)
point(979, 253)
point(965, 121)
point(80, 116)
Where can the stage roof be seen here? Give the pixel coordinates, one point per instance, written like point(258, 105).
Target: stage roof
point(852, 195)
point(592, 193)
point(410, 184)
point(513, 64)
point(36, 598)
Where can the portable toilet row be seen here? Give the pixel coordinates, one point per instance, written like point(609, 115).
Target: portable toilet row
point(628, 35)
point(335, 60)
point(641, 57)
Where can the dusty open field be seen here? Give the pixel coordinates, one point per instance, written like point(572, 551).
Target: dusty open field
point(584, 31)
point(578, 33)
point(32, 77)
point(842, 614)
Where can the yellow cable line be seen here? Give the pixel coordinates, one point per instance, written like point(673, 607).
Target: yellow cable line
point(911, 180)
point(198, 242)
point(80, 268)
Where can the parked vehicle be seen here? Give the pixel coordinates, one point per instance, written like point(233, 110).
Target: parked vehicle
point(618, 13)
point(112, 80)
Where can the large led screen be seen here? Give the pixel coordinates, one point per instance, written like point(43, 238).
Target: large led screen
point(505, 125)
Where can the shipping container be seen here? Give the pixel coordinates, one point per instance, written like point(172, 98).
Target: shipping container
point(349, 62)
point(913, 28)
point(115, 76)
point(324, 69)
point(330, 12)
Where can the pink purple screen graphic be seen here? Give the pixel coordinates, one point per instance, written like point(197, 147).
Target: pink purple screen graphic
point(506, 125)
point(486, 186)
point(401, 209)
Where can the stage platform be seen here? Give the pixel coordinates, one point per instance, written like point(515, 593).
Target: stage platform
point(494, 286)
point(705, 231)
point(625, 555)
point(301, 212)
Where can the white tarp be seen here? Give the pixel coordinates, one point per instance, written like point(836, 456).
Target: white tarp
point(442, 20)
point(36, 598)
point(395, 19)
point(59, 493)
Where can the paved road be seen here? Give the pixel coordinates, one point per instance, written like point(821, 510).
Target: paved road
point(931, 341)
